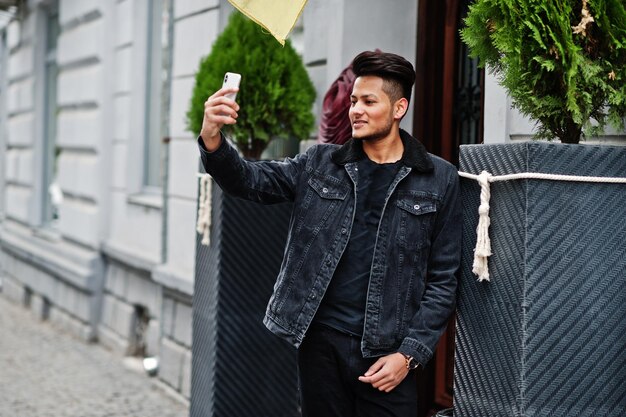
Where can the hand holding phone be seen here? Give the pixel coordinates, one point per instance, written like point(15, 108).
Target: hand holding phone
point(231, 80)
point(217, 113)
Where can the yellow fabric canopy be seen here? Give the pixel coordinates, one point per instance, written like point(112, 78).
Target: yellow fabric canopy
point(277, 16)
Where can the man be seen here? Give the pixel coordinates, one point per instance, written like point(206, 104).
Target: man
point(368, 281)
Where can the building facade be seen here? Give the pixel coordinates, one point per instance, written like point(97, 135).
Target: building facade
point(98, 186)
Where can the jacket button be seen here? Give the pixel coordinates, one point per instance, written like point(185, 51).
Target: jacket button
point(343, 231)
point(416, 207)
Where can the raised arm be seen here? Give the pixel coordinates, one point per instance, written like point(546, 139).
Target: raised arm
point(219, 110)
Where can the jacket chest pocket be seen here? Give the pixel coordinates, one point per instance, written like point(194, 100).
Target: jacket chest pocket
point(416, 215)
point(327, 189)
point(322, 199)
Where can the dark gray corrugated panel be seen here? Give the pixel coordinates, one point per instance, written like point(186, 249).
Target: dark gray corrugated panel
point(239, 367)
point(547, 336)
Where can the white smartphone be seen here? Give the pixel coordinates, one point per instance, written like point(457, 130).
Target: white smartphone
point(231, 80)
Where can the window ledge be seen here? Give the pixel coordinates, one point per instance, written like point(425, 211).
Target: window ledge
point(149, 200)
point(173, 278)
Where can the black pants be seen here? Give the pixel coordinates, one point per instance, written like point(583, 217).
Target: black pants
point(329, 364)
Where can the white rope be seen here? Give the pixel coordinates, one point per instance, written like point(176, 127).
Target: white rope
point(204, 208)
point(483, 243)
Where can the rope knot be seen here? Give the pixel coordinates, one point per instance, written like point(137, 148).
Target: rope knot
point(483, 243)
point(204, 209)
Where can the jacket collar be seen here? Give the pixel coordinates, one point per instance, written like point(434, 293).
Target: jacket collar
point(414, 155)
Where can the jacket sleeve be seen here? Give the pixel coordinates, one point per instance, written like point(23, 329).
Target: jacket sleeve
point(439, 299)
point(265, 182)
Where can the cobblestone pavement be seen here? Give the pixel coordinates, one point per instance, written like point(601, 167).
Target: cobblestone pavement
point(45, 372)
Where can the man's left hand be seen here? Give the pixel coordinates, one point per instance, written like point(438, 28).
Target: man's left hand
point(386, 373)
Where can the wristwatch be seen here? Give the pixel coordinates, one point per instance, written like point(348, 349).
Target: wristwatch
point(410, 362)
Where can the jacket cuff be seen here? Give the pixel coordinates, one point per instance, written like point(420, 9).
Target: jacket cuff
point(220, 153)
point(416, 350)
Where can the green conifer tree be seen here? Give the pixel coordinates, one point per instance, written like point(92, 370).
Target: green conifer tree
point(563, 62)
point(276, 94)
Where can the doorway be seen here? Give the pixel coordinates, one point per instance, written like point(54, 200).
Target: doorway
point(449, 85)
point(449, 97)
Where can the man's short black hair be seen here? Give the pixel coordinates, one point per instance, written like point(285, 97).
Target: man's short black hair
point(397, 73)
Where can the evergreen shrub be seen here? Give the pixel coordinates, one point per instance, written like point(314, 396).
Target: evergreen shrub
point(563, 62)
point(276, 94)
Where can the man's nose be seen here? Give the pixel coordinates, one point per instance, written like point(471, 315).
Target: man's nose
point(356, 109)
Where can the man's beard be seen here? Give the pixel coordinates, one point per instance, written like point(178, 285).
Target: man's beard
point(379, 134)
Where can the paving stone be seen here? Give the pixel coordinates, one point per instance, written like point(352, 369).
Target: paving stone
point(48, 372)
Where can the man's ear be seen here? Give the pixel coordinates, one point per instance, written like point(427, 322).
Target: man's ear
point(400, 108)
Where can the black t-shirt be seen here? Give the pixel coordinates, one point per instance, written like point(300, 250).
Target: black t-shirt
point(343, 305)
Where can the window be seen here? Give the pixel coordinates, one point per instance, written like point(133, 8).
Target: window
point(157, 90)
point(52, 193)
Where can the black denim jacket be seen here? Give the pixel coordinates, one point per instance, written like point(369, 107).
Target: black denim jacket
point(412, 286)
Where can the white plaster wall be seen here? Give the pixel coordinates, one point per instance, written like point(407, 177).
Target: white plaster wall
point(78, 221)
point(315, 18)
point(20, 96)
point(19, 166)
point(520, 127)
point(135, 227)
point(119, 134)
point(21, 62)
point(136, 93)
point(81, 42)
point(123, 74)
point(123, 22)
point(18, 200)
point(182, 206)
point(183, 168)
point(179, 104)
point(11, 164)
point(195, 21)
point(118, 166)
point(80, 86)
point(321, 40)
point(80, 128)
point(187, 7)
point(20, 130)
point(80, 176)
point(181, 238)
point(496, 111)
point(25, 169)
point(122, 118)
point(502, 122)
point(13, 34)
point(70, 10)
point(318, 75)
point(193, 38)
point(81, 83)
